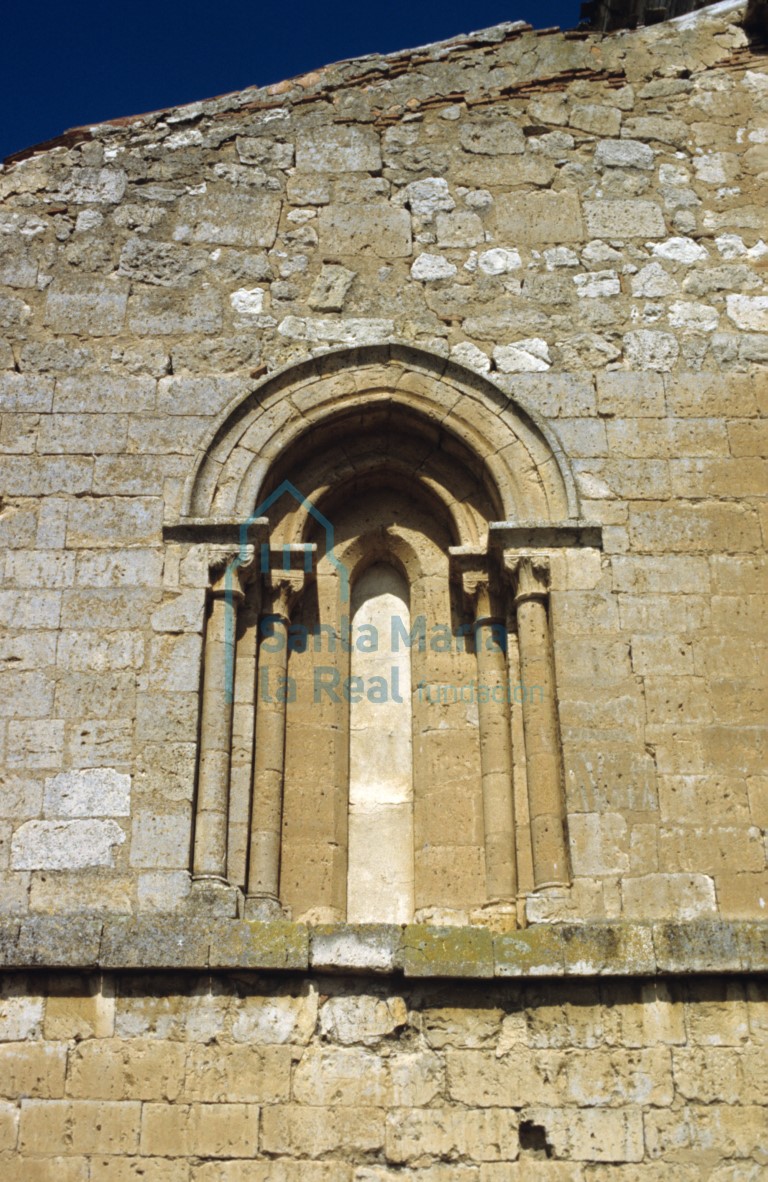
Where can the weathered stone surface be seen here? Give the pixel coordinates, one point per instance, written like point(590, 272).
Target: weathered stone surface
point(339, 149)
point(356, 947)
point(65, 845)
point(351, 229)
point(260, 946)
point(171, 941)
point(538, 218)
point(447, 952)
point(624, 219)
point(536, 952)
point(330, 289)
point(69, 941)
point(95, 792)
point(229, 219)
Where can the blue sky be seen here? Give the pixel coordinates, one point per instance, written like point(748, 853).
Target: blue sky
point(71, 64)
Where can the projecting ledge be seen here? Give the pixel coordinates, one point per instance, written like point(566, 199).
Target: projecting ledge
point(166, 941)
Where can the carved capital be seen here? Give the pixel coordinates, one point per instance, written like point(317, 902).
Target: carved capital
point(281, 590)
point(529, 574)
point(476, 585)
point(230, 568)
point(285, 572)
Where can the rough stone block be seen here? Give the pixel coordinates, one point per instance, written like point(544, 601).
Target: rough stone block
point(537, 218)
point(699, 946)
point(338, 148)
point(95, 792)
point(534, 952)
point(65, 941)
point(447, 952)
point(65, 845)
point(86, 306)
point(355, 947)
point(624, 219)
point(349, 230)
point(168, 941)
point(260, 946)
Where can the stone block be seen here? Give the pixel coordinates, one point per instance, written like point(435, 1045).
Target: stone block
point(534, 952)
point(80, 1008)
point(200, 1130)
point(349, 1076)
point(116, 1069)
point(247, 1074)
point(86, 306)
point(535, 218)
point(699, 946)
point(251, 945)
point(230, 218)
point(482, 1079)
point(349, 230)
point(439, 1134)
point(447, 952)
point(312, 1131)
point(65, 941)
point(668, 896)
point(83, 1126)
point(140, 1169)
point(160, 312)
point(167, 941)
point(598, 119)
point(592, 1134)
point(613, 950)
point(355, 947)
point(95, 792)
point(624, 219)
point(361, 1019)
point(160, 841)
point(491, 137)
point(339, 148)
point(287, 1016)
point(65, 845)
point(35, 1070)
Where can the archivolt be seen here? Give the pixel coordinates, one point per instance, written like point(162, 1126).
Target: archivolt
point(426, 409)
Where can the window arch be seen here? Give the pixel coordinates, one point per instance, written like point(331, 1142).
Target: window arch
point(316, 804)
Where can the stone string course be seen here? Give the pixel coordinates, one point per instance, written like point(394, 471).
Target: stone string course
point(417, 950)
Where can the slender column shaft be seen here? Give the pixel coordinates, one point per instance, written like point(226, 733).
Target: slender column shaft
point(243, 727)
point(545, 794)
point(269, 755)
point(268, 766)
point(210, 848)
point(495, 754)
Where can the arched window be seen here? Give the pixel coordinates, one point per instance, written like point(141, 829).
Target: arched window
point(380, 861)
point(388, 747)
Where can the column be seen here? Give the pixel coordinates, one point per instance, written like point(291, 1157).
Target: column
point(495, 744)
point(263, 901)
point(209, 862)
point(243, 728)
point(540, 723)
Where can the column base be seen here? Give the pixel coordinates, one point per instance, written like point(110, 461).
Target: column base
point(263, 908)
point(441, 917)
point(499, 915)
point(549, 904)
point(212, 896)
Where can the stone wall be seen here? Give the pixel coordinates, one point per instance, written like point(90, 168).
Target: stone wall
point(577, 218)
point(563, 236)
point(174, 1078)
